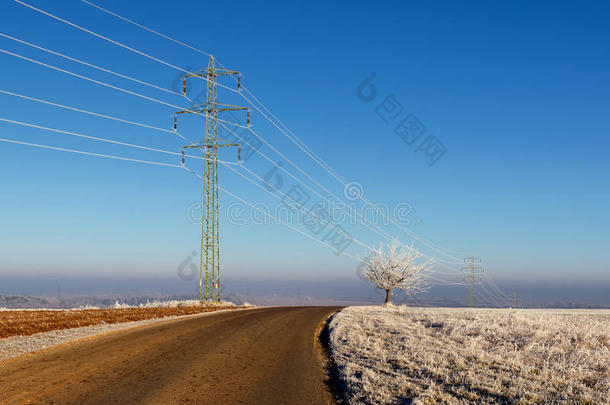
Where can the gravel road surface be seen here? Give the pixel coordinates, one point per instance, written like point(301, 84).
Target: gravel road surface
point(259, 356)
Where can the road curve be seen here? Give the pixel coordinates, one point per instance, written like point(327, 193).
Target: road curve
point(258, 356)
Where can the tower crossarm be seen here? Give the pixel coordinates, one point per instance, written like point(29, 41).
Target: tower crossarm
point(207, 110)
point(212, 74)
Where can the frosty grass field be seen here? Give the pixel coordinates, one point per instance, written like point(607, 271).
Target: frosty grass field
point(388, 355)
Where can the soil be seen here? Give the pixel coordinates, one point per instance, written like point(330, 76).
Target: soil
point(23, 323)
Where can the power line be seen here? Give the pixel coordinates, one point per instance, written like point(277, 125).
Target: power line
point(316, 159)
point(486, 300)
point(150, 99)
point(496, 301)
point(484, 292)
point(429, 277)
point(443, 282)
point(389, 237)
point(89, 153)
point(99, 139)
point(294, 228)
point(110, 40)
point(327, 167)
point(493, 285)
point(277, 219)
point(302, 232)
point(90, 113)
point(301, 209)
point(309, 151)
point(90, 65)
point(105, 84)
point(302, 144)
point(145, 28)
point(85, 77)
point(178, 166)
point(376, 229)
point(111, 156)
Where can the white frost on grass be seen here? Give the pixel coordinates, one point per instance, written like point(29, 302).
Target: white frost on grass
point(484, 356)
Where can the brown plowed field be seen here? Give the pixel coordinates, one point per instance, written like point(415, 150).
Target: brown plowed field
point(14, 323)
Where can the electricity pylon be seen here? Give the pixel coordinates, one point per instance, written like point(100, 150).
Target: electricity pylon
point(209, 264)
point(515, 300)
point(475, 268)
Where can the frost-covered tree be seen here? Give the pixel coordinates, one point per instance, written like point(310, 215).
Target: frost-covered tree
point(396, 267)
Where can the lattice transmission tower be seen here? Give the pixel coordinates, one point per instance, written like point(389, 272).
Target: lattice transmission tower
point(475, 268)
point(209, 264)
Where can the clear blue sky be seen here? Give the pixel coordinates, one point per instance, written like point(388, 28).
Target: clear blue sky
point(518, 92)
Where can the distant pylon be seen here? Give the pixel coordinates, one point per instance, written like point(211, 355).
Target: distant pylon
point(515, 300)
point(209, 264)
point(474, 269)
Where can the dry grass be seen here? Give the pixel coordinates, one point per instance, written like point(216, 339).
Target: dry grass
point(450, 356)
point(28, 322)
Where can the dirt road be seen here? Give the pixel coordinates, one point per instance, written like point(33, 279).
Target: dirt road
point(258, 356)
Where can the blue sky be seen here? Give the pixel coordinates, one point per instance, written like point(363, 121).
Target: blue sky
point(517, 92)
